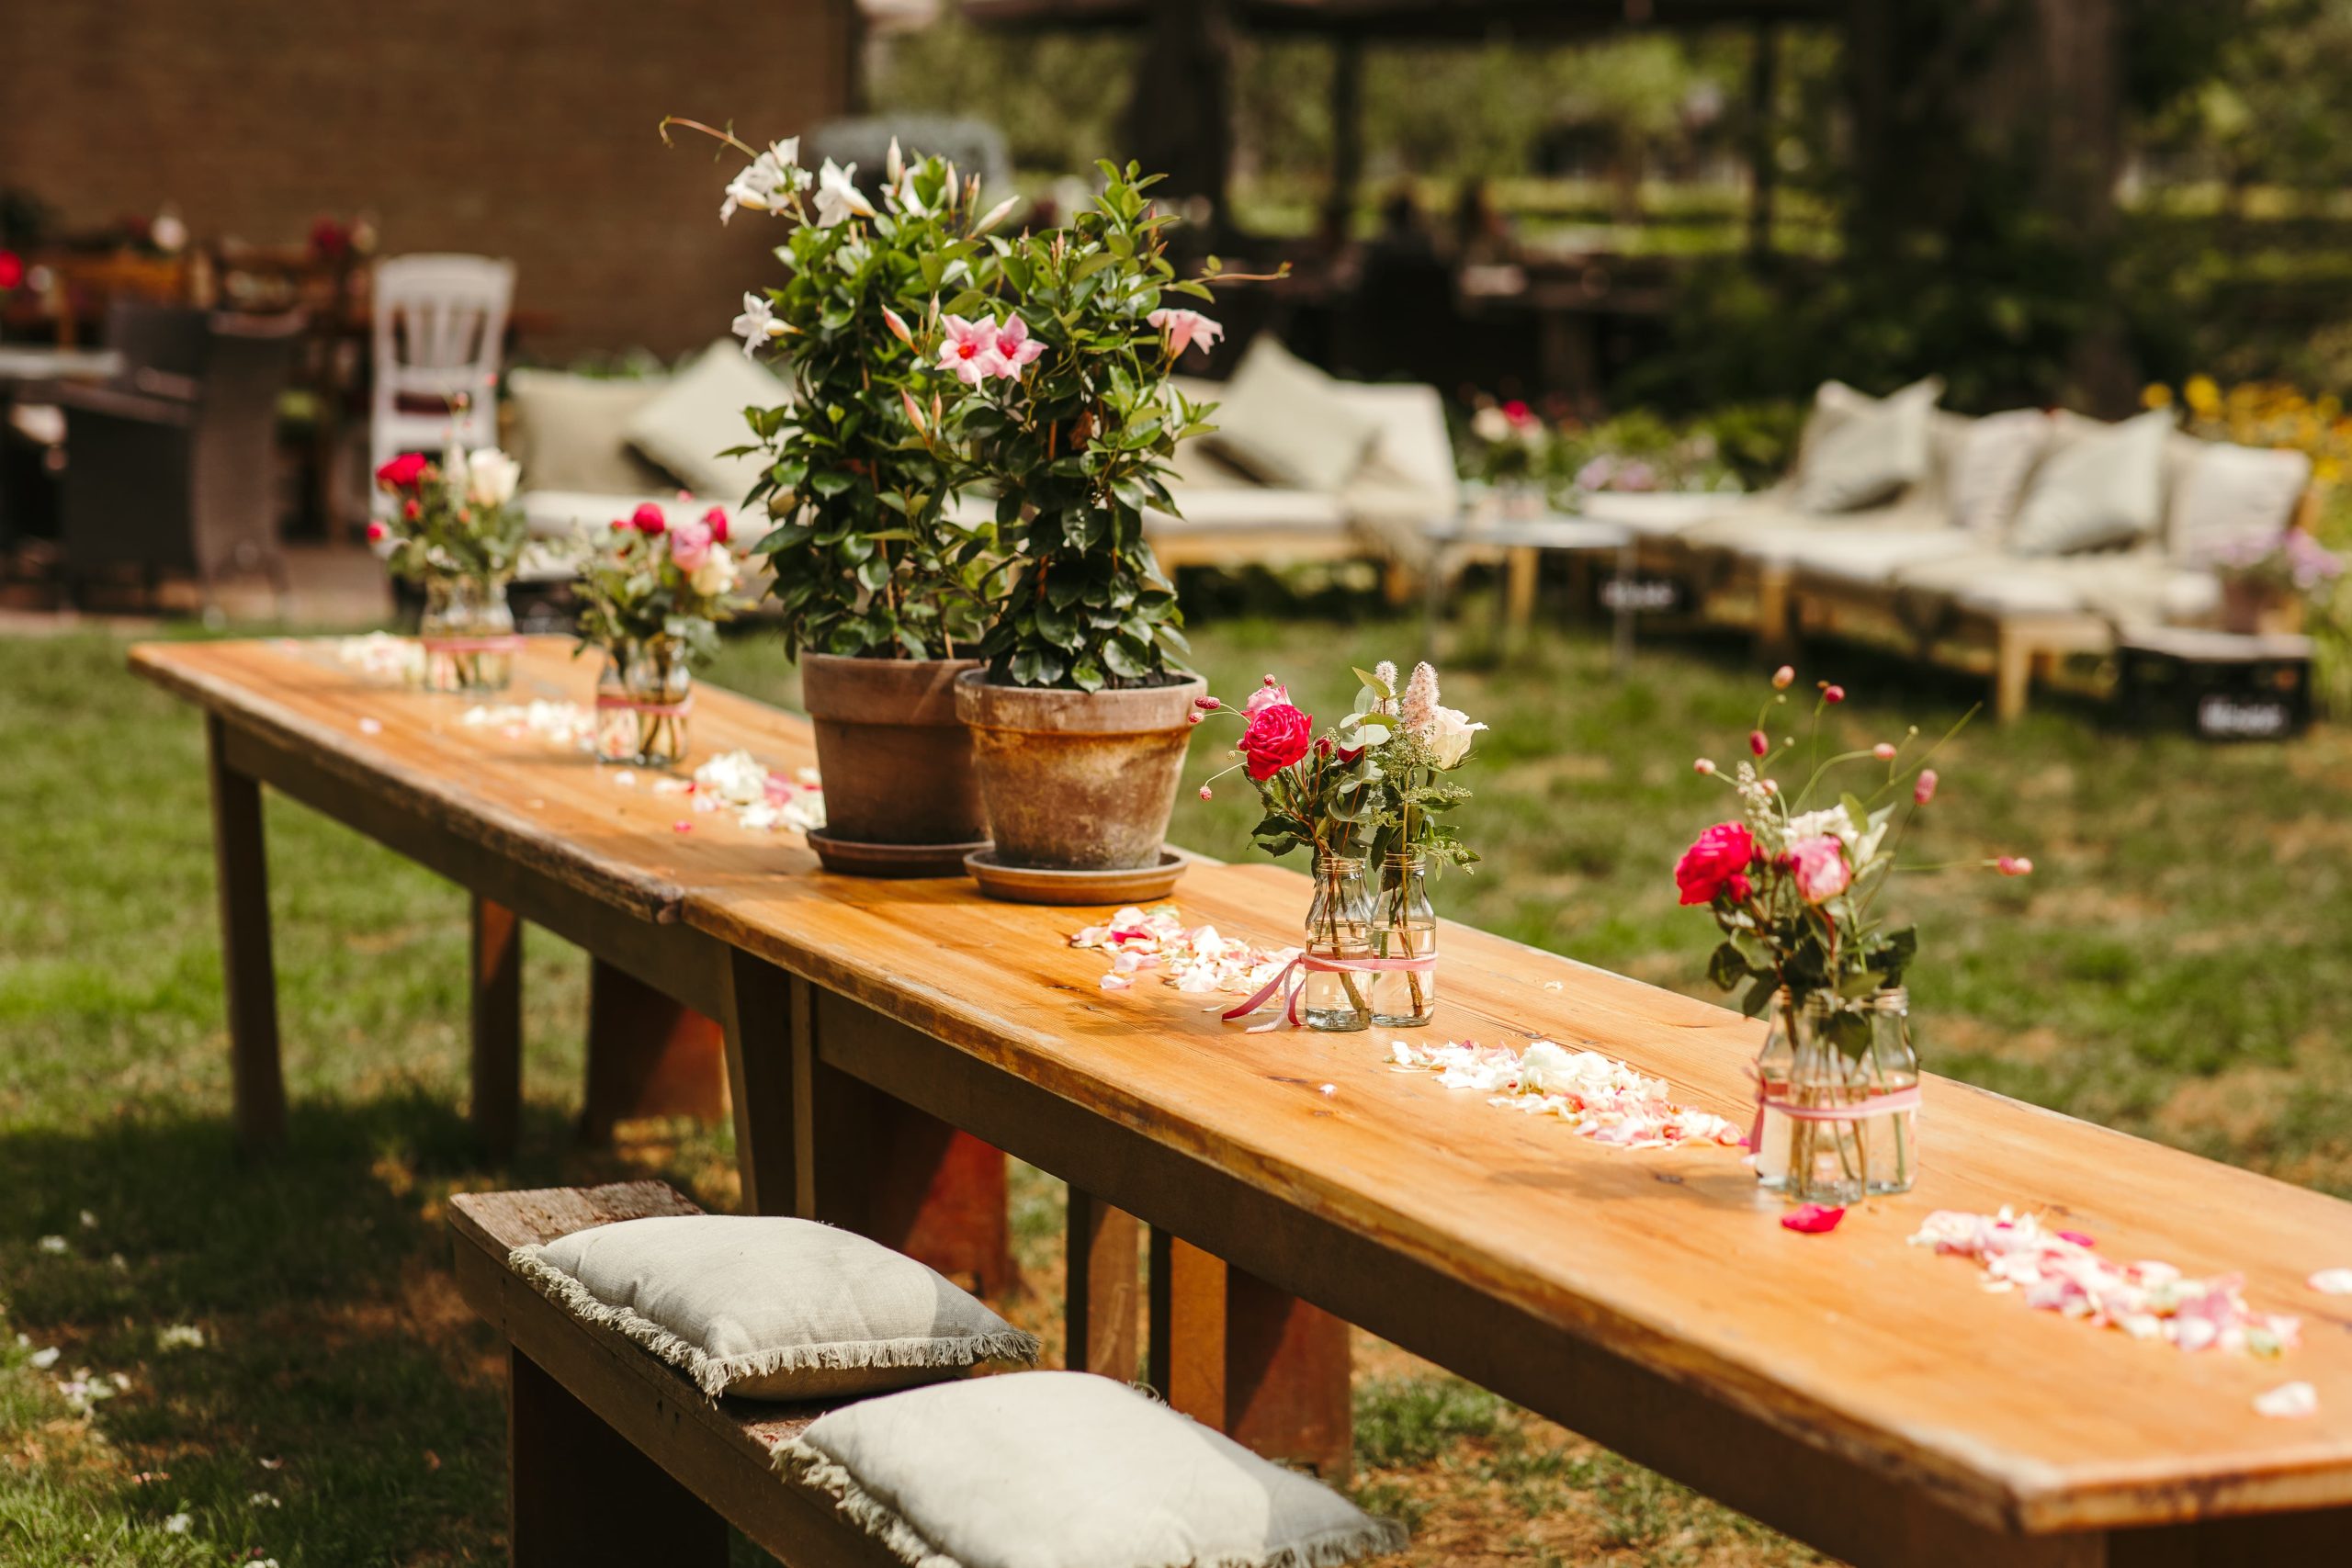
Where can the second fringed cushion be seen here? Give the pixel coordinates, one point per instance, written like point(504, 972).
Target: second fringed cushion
point(770, 1308)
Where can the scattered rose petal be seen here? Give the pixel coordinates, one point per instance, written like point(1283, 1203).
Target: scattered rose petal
point(1115, 981)
point(2288, 1401)
point(1813, 1219)
point(2077, 1237)
point(626, 778)
point(371, 727)
point(2333, 1281)
point(1553, 986)
point(682, 826)
point(1329, 1088)
point(1601, 1099)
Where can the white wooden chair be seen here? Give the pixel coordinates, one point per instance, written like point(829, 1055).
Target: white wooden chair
point(440, 331)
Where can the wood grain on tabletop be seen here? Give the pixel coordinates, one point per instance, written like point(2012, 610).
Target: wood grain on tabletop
point(1670, 1256)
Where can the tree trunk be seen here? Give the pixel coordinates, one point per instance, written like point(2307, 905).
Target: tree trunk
point(1180, 121)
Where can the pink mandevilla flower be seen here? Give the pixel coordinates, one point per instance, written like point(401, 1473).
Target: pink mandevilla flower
point(1184, 328)
point(1015, 349)
point(1819, 868)
point(969, 350)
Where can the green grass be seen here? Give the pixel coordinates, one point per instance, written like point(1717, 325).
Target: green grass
point(2180, 966)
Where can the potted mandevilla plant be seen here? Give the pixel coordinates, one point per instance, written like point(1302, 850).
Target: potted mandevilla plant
point(652, 597)
point(881, 592)
point(1063, 403)
point(455, 531)
point(1795, 886)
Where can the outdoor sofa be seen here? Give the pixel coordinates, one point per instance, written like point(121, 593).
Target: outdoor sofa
point(2025, 535)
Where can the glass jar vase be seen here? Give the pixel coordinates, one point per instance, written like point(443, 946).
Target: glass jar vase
point(642, 700)
point(468, 632)
point(1839, 1081)
point(1403, 926)
point(1339, 928)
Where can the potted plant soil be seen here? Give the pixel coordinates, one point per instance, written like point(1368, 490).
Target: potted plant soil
point(881, 593)
point(1078, 721)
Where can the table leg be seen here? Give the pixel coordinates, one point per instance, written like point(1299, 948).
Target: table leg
point(1523, 564)
point(497, 1007)
point(1621, 628)
point(2314, 1537)
point(1105, 1288)
point(1261, 1366)
point(647, 1055)
point(771, 1046)
point(241, 868)
point(579, 1492)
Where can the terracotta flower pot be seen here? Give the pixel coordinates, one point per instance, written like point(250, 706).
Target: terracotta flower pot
point(1077, 782)
point(895, 758)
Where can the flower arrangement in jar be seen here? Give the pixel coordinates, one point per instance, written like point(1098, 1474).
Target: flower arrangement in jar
point(1370, 787)
point(1794, 887)
point(652, 596)
point(455, 530)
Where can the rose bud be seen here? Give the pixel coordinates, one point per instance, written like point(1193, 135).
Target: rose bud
point(376, 531)
point(411, 510)
point(1702, 766)
point(1883, 750)
point(716, 521)
point(1924, 790)
point(648, 520)
point(2014, 865)
point(1783, 677)
point(1206, 794)
point(1195, 717)
point(1207, 704)
point(1757, 743)
point(1833, 693)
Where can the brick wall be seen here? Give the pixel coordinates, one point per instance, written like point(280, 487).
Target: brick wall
point(516, 128)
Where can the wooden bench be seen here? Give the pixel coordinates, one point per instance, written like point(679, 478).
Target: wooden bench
point(613, 1456)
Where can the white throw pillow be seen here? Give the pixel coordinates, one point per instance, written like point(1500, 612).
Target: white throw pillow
point(2227, 495)
point(701, 416)
point(1859, 451)
point(1068, 1470)
point(770, 1308)
point(2101, 486)
point(1283, 421)
point(572, 431)
point(1989, 469)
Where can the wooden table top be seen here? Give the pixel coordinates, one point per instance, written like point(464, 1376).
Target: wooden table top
point(1883, 1352)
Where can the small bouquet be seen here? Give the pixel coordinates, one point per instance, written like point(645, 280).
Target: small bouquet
point(1794, 888)
point(454, 529)
point(1373, 786)
point(2267, 582)
point(652, 598)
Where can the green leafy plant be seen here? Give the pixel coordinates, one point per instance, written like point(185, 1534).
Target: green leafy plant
point(1068, 410)
point(868, 556)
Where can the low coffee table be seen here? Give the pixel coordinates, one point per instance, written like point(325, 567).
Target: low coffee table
point(2220, 685)
point(1522, 541)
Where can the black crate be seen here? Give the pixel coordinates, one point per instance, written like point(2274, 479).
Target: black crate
point(2217, 685)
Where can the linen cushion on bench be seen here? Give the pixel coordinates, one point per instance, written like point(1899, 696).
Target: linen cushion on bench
point(2102, 485)
point(1860, 451)
point(700, 414)
point(1286, 423)
point(1068, 1470)
point(2224, 494)
point(770, 1308)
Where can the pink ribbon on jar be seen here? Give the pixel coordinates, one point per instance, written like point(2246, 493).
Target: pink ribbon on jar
point(1873, 1105)
point(509, 643)
point(1314, 963)
point(659, 710)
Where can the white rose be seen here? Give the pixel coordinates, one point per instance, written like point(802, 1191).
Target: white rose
point(1449, 737)
point(491, 477)
point(716, 575)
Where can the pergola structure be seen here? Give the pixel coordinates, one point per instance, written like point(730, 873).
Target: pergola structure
point(1185, 130)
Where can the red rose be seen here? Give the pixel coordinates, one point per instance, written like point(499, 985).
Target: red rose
point(715, 520)
point(648, 519)
point(402, 471)
point(12, 270)
point(1278, 736)
point(1717, 860)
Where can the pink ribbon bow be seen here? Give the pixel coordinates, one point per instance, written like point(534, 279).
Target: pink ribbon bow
point(1289, 979)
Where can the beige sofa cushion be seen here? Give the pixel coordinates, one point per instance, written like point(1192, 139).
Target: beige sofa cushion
point(1285, 422)
point(2101, 486)
point(1068, 1470)
point(700, 414)
point(1990, 465)
point(770, 1308)
point(572, 431)
point(2224, 494)
point(1861, 451)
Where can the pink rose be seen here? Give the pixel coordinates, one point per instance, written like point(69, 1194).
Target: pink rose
point(376, 531)
point(1718, 859)
point(1278, 736)
point(716, 521)
point(648, 520)
point(1271, 694)
point(402, 471)
point(690, 543)
point(1820, 869)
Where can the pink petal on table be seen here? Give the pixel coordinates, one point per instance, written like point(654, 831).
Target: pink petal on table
point(2077, 1237)
point(371, 727)
point(681, 827)
point(2333, 1281)
point(1115, 981)
point(1811, 1219)
point(2288, 1401)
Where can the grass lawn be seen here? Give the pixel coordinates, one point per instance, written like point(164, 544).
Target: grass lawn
point(270, 1362)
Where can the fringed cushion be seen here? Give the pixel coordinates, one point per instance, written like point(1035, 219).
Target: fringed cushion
point(1066, 1470)
point(770, 1308)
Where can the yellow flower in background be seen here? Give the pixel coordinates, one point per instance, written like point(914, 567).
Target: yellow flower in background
point(2155, 395)
point(2202, 394)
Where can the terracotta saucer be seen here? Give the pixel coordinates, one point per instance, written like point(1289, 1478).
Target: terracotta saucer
point(1024, 884)
point(846, 857)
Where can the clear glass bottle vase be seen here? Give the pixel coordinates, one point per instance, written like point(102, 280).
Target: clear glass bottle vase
point(1403, 926)
point(1840, 1079)
point(468, 631)
point(642, 701)
point(1339, 926)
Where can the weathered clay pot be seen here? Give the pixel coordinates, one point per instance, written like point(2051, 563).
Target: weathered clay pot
point(895, 758)
point(1074, 781)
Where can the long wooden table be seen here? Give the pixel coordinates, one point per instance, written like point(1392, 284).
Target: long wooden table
point(1862, 1395)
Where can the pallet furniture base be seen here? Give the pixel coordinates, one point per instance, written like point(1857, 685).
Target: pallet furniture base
point(613, 1456)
